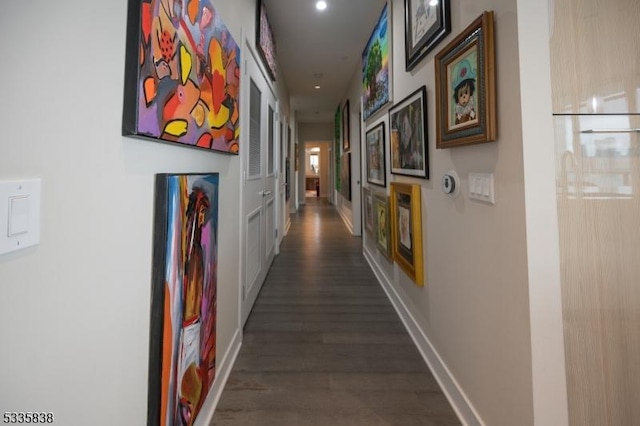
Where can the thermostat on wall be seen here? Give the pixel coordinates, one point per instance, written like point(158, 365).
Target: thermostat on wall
point(451, 183)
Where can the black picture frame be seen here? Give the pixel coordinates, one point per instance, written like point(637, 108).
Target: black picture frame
point(346, 127)
point(408, 139)
point(424, 27)
point(375, 146)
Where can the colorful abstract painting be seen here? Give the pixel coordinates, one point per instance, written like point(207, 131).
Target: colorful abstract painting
point(375, 68)
point(182, 75)
point(183, 297)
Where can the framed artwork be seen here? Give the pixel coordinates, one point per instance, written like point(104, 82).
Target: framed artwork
point(376, 164)
point(465, 87)
point(425, 25)
point(408, 135)
point(337, 125)
point(367, 202)
point(376, 87)
point(297, 159)
point(346, 127)
point(182, 76)
point(182, 349)
point(406, 225)
point(382, 224)
point(345, 175)
point(265, 41)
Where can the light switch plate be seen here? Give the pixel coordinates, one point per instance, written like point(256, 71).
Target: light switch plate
point(19, 214)
point(481, 187)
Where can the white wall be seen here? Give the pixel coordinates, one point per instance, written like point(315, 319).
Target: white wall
point(471, 319)
point(74, 311)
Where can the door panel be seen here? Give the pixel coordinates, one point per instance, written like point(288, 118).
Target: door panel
point(259, 189)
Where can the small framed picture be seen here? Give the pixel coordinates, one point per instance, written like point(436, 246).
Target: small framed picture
point(406, 223)
point(426, 23)
point(376, 164)
point(465, 87)
point(367, 202)
point(408, 135)
point(346, 128)
point(382, 224)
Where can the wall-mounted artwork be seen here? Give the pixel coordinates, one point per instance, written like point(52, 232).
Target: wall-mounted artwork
point(367, 203)
point(182, 75)
point(406, 225)
point(465, 87)
point(426, 23)
point(376, 66)
point(346, 127)
point(336, 145)
point(408, 135)
point(265, 41)
point(376, 162)
point(182, 350)
point(345, 175)
point(382, 225)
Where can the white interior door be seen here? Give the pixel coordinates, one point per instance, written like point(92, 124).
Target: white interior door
point(259, 194)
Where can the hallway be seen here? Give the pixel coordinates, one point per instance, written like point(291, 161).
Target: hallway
point(323, 345)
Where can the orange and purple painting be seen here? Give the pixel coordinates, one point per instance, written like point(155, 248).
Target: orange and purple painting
point(182, 76)
point(183, 297)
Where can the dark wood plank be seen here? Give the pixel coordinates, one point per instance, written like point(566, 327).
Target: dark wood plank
point(324, 346)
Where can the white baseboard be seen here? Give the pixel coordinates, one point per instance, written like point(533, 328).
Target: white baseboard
point(223, 369)
point(450, 387)
point(346, 219)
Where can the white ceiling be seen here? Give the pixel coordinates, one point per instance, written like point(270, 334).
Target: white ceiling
point(327, 43)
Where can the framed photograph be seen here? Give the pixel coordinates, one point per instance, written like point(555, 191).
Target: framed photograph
point(425, 25)
point(376, 67)
point(346, 127)
point(465, 87)
point(345, 175)
point(337, 131)
point(376, 163)
point(265, 41)
point(406, 230)
point(182, 76)
point(408, 135)
point(382, 224)
point(367, 202)
point(182, 348)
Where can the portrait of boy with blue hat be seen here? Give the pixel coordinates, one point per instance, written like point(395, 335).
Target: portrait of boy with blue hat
point(463, 80)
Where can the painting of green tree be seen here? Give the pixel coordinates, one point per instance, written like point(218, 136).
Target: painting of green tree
point(375, 68)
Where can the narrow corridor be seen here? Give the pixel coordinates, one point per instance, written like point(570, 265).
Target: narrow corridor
point(323, 345)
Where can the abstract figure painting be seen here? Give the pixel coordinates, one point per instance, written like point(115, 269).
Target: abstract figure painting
point(376, 67)
point(182, 350)
point(182, 75)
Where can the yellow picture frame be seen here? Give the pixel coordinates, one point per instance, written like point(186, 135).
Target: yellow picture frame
point(406, 230)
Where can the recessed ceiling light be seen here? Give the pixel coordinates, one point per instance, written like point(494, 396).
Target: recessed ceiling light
point(321, 5)
point(317, 87)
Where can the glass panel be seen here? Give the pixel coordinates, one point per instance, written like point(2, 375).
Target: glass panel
point(254, 131)
point(271, 148)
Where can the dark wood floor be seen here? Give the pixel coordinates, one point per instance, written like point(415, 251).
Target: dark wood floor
point(323, 345)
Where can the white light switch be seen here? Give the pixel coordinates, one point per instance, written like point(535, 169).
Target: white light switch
point(481, 187)
point(19, 214)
